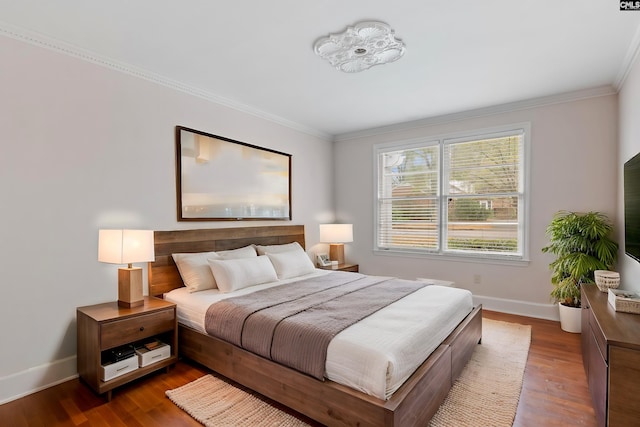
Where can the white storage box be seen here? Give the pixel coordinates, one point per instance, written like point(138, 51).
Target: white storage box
point(147, 357)
point(625, 301)
point(115, 369)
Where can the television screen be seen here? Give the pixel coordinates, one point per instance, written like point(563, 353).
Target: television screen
point(632, 207)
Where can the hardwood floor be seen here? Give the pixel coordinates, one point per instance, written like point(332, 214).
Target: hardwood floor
point(554, 392)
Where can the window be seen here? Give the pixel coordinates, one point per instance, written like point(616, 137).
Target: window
point(460, 196)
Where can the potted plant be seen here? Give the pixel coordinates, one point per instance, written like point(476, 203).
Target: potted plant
point(582, 244)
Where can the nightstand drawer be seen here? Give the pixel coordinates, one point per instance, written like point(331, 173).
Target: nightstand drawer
point(126, 331)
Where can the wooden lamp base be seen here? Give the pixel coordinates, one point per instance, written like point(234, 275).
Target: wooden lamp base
point(130, 287)
point(336, 252)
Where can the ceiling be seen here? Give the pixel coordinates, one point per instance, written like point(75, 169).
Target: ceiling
point(258, 56)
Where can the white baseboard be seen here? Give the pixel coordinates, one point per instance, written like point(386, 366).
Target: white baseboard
point(522, 308)
point(38, 378)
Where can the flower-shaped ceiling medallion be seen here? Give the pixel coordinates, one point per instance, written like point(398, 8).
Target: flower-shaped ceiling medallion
point(360, 47)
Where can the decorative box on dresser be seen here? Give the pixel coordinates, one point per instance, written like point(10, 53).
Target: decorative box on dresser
point(611, 357)
point(103, 327)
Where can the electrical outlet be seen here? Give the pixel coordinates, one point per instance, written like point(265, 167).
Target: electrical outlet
point(477, 279)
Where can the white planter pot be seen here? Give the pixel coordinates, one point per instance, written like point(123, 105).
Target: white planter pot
point(570, 319)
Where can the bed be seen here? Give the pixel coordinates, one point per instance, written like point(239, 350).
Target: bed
point(328, 402)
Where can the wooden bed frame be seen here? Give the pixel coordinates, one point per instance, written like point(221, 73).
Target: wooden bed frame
point(327, 402)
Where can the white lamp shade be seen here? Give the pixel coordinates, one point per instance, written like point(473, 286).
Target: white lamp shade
point(125, 246)
point(336, 233)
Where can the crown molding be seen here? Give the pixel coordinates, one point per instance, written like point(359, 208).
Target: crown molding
point(629, 60)
point(481, 112)
point(59, 46)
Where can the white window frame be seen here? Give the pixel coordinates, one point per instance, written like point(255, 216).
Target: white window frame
point(441, 140)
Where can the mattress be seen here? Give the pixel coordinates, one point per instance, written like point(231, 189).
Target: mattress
point(375, 355)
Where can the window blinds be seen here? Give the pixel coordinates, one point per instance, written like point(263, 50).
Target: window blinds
point(452, 195)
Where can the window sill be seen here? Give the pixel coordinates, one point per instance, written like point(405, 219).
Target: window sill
point(481, 259)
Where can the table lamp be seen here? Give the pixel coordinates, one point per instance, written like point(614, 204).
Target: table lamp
point(336, 235)
point(127, 247)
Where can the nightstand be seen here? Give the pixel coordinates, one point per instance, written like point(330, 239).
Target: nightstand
point(343, 267)
point(103, 327)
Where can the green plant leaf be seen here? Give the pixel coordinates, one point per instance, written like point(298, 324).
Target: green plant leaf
point(582, 244)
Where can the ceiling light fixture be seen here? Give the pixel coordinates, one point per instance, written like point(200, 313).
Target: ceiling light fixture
point(360, 47)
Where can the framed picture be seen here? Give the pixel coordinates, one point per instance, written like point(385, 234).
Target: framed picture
point(220, 179)
point(323, 260)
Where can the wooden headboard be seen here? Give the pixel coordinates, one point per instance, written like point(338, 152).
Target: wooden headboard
point(163, 273)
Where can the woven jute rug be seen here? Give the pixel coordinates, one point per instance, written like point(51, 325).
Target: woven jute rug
point(214, 402)
point(486, 394)
point(488, 389)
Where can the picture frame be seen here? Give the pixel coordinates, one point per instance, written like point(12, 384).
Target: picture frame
point(221, 179)
point(323, 260)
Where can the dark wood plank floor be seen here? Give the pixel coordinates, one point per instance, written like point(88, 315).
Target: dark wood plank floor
point(554, 392)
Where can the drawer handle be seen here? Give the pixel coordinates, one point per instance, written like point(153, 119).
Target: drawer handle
point(141, 328)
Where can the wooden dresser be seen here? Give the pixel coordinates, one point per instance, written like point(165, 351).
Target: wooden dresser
point(611, 356)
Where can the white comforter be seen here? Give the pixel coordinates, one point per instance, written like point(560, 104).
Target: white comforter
point(377, 354)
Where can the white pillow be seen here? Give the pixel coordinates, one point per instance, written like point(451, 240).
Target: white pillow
point(291, 264)
point(195, 270)
point(234, 274)
point(276, 249)
point(246, 252)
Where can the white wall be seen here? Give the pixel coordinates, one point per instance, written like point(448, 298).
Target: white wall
point(629, 134)
point(84, 147)
point(573, 167)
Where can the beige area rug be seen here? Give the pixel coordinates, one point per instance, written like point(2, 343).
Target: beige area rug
point(488, 389)
point(215, 403)
point(486, 394)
